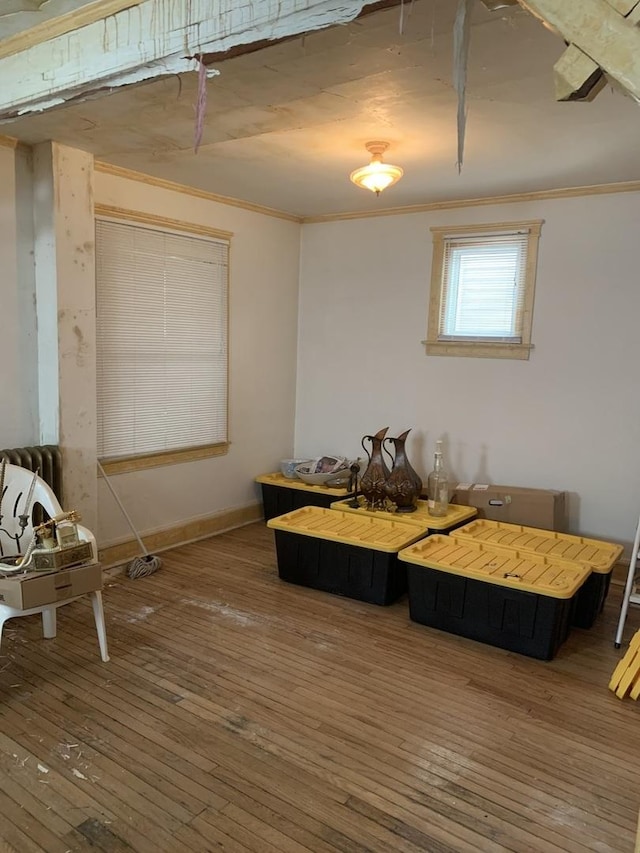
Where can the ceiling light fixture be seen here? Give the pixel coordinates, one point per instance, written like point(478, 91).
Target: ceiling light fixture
point(377, 176)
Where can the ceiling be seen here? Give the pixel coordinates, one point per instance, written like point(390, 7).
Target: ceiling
point(39, 11)
point(285, 125)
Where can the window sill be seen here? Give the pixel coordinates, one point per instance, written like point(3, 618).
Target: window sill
point(473, 349)
point(155, 460)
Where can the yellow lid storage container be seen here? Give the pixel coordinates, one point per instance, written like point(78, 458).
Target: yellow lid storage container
point(280, 494)
point(456, 514)
point(381, 534)
point(277, 479)
point(516, 600)
point(520, 570)
point(598, 555)
point(343, 553)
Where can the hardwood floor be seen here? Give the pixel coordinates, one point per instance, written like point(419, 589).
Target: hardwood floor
point(239, 712)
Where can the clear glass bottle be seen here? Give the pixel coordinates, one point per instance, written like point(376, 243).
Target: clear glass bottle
point(438, 486)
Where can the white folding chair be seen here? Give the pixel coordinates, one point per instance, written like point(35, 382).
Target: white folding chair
point(16, 530)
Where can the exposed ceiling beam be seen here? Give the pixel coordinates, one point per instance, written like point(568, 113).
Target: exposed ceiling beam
point(153, 39)
point(53, 27)
point(607, 38)
point(577, 77)
point(494, 5)
point(242, 49)
point(623, 7)
point(13, 7)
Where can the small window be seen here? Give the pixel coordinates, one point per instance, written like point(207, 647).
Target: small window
point(482, 289)
point(161, 344)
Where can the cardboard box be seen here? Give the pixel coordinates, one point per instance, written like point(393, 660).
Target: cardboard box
point(516, 505)
point(33, 589)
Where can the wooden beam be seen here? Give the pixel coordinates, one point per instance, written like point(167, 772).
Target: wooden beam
point(243, 49)
point(494, 5)
point(12, 7)
point(577, 77)
point(609, 39)
point(623, 7)
point(153, 39)
point(54, 27)
point(634, 15)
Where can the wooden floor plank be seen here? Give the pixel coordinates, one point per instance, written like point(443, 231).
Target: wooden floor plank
point(243, 713)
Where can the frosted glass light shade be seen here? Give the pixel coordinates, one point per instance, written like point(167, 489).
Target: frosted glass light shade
point(377, 176)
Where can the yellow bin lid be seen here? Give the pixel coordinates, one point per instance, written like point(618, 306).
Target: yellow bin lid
point(379, 534)
point(278, 479)
point(456, 514)
point(600, 556)
point(504, 567)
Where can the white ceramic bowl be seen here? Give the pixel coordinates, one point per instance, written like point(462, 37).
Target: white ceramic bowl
point(288, 467)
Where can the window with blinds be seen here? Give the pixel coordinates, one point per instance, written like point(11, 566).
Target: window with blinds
point(482, 290)
point(162, 340)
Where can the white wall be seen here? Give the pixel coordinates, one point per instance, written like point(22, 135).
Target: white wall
point(569, 418)
point(264, 272)
point(18, 346)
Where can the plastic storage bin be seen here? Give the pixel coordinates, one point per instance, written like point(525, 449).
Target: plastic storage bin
point(281, 495)
point(598, 555)
point(456, 515)
point(517, 601)
point(342, 553)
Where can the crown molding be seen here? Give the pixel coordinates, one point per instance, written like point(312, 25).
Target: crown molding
point(515, 198)
point(63, 24)
point(8, 142)
point(129, 174)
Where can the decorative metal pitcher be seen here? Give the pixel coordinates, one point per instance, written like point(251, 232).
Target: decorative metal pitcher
point(372, 484)
point(403, 485)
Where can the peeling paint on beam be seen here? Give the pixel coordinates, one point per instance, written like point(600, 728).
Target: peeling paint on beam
point(155, 70)
point(142, 42)
point(61, 24)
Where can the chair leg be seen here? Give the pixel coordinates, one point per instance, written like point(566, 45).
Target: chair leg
point(49, 623)
point(98, 615)
point(3, 619)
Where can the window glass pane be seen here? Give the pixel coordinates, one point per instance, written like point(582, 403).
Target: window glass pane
point(483, 288)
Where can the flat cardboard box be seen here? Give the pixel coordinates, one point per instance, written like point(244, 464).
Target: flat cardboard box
point(543, 508)
point(33, 589)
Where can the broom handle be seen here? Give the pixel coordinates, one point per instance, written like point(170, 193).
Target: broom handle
point(124, 512)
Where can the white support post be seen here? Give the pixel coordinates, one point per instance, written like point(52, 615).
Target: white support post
point(64, 246)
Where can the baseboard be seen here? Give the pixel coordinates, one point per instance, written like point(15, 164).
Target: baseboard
point(114, 555)
point(619, 574)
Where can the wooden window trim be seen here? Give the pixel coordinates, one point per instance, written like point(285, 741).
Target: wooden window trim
point(126, 464)
point(484, 349)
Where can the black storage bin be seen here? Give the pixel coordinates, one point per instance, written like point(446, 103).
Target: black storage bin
point(590, 599)
point(313, 549)
point(281, 495)
point(598, 555)
point(524, 622)
point(520, 602)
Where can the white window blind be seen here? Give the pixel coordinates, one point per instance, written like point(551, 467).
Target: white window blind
point(483, 288)
point(162, 350)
